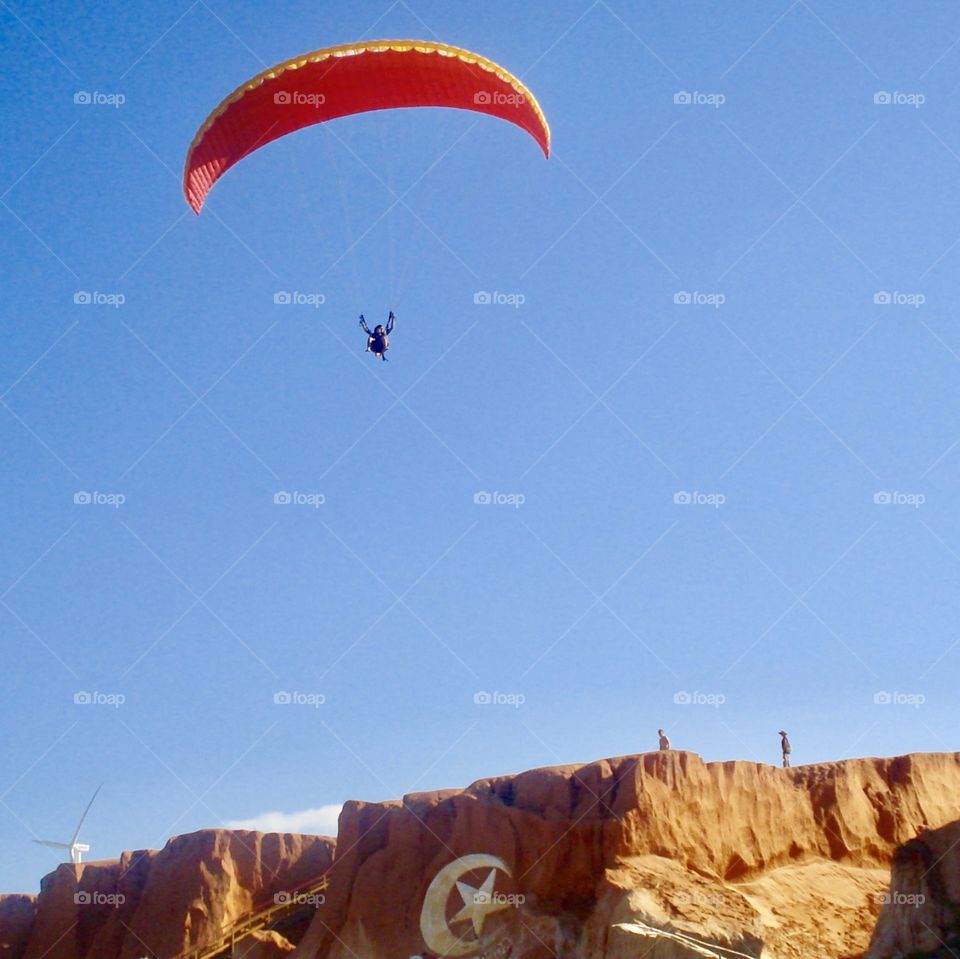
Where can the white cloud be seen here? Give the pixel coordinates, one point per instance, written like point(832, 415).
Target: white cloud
point(322, 821)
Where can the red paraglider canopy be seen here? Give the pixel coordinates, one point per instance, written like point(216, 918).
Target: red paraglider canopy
point(355, 78)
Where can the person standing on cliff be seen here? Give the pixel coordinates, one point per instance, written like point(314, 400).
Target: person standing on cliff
point(664, 742)
point(785, 749)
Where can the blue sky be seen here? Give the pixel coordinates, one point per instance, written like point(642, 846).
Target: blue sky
point(722, 422)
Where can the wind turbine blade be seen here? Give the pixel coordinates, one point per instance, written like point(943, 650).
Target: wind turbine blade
point(52, 845)
point(84, 816)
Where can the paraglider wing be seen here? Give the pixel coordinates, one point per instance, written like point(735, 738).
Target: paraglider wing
point(355, 78)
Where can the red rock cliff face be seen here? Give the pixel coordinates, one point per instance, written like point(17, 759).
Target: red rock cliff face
point(160, 903)
point(592, 848)
point(16, 918)
point(588, 861)
point(921, 912)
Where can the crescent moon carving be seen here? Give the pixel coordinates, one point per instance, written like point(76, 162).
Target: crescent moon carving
point(436, 931)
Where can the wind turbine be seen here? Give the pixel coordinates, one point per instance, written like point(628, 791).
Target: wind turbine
point(75, 848)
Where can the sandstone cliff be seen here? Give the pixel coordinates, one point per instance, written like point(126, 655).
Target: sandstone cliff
point(16, 919)
point(921, 912)
point(746, 856)
point(570, 862)
point(160, 903)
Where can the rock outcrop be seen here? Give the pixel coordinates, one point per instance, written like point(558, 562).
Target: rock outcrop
point(264, 945)
point(920, 917)
point(659, 856)
point(151, 903)
point(16, 920)
point(741, 855)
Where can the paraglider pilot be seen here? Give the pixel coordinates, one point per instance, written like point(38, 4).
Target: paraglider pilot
point(378, 341)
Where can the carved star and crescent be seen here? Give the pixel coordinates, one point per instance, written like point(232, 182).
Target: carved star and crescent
point(479, 903)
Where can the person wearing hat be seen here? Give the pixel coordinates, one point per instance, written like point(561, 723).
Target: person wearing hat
point(785, 749)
